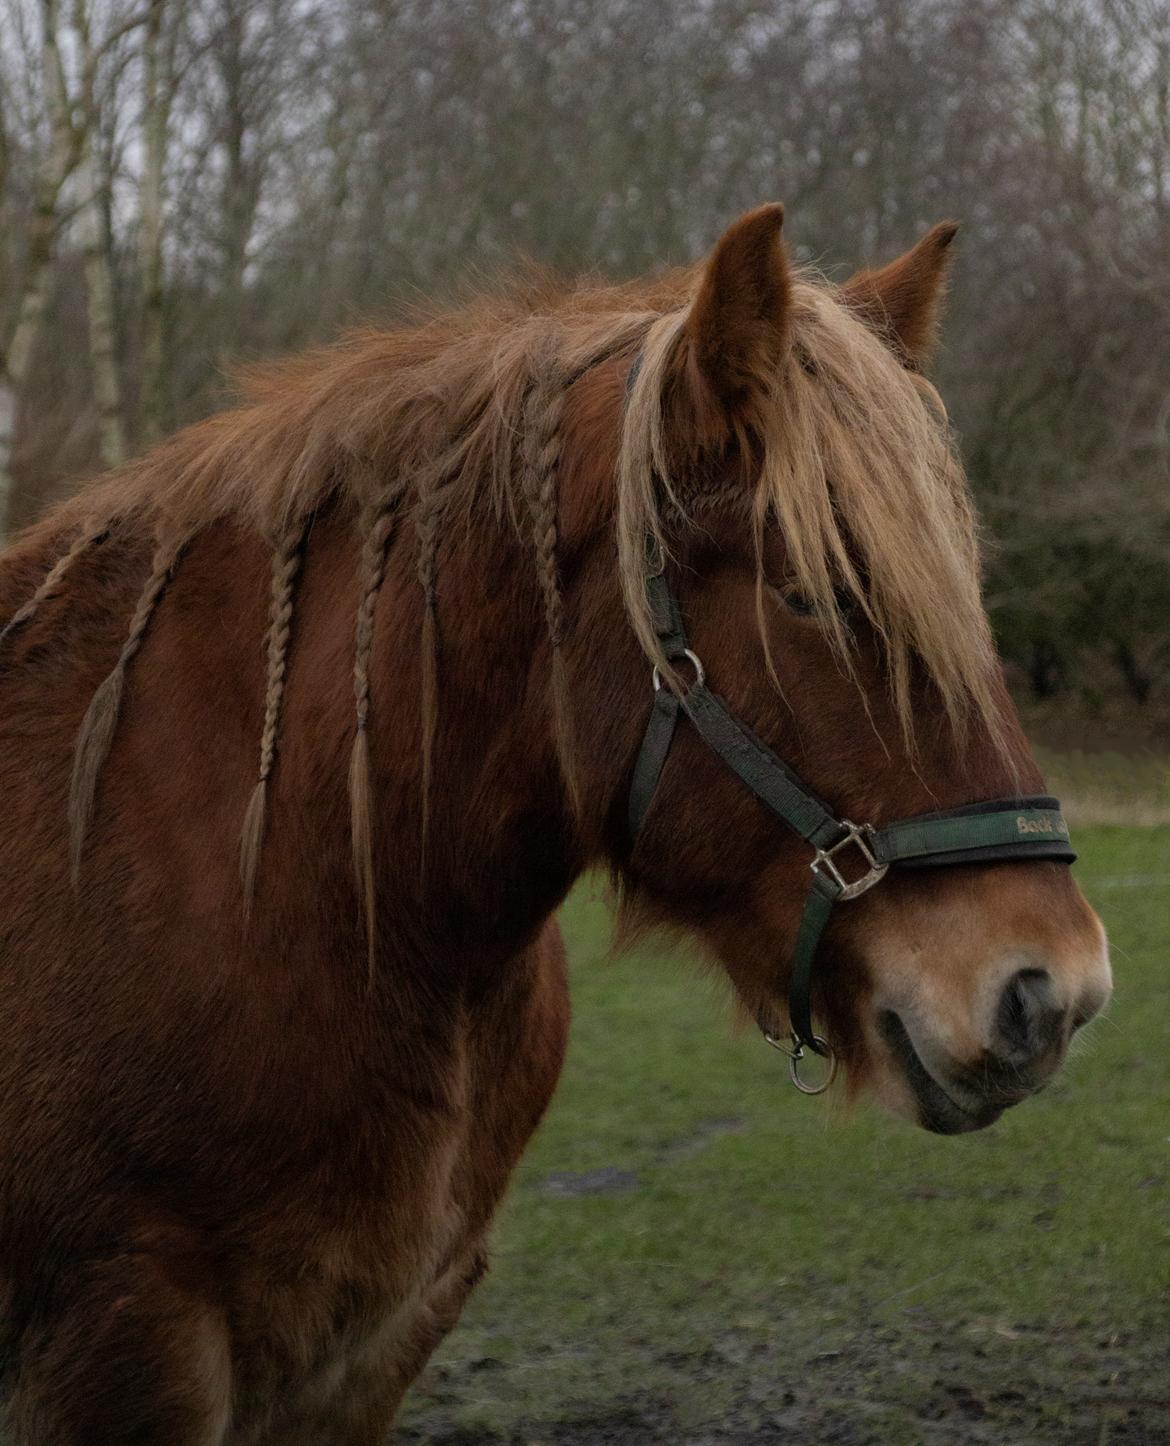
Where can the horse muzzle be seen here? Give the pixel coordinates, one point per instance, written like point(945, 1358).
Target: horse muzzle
point(1028, 1037)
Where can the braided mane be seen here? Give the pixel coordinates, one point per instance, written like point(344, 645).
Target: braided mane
point(411, 424)
point(286, 564)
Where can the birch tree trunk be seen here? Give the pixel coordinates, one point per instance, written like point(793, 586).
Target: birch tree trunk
point(57, 165)
point(158, 76)
point(99, 281)
point(239, 198)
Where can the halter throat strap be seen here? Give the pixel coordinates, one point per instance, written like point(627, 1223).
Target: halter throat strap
point(848, 859)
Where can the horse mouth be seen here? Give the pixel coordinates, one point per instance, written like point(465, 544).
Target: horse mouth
point(938, 1109)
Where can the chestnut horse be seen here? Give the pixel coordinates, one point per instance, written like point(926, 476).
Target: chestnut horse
point(259, 1102)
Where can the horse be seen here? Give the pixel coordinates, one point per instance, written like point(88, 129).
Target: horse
point(313, 715)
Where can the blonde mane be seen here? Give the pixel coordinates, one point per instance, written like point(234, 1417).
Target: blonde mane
point(861, 476)
point(858, 471)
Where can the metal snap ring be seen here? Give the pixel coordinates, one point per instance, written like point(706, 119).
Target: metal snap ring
point(795, 1055)
point(693, 659)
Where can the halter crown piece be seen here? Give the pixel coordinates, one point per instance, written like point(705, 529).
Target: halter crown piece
point(848, 858)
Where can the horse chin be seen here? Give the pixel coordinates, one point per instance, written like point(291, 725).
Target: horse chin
point(910, 1088)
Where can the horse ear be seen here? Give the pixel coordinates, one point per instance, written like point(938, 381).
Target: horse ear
point(738, 323)
point(901, 301)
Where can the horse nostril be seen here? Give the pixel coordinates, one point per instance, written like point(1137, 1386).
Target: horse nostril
point(1029, 1020)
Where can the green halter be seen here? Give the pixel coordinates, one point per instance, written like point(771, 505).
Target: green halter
point(1002, 828)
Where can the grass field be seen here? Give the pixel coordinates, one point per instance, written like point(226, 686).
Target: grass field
point(692, 1252)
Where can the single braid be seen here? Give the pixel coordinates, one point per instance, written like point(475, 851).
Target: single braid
point(378, 527)
point(428, 522)
point(544, 409)
point(101, 718)
point(544, 412)
point(90, 536)
point(286, 565)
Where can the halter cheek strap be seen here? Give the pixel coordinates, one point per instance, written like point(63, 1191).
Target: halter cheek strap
point(848, 859)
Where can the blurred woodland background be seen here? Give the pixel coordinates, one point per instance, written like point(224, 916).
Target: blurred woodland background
point(185, 183)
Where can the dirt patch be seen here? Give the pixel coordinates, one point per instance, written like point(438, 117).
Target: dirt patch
point(699, 1138)
point(924, 1383)
point(608, 1180)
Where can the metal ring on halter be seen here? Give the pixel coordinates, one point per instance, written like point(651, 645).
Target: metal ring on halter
point(700, 671)
point(795, 1053)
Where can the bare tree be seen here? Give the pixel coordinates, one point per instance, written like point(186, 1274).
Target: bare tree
point(159, 80)
point(57, 164)
point(227, 177)
point(96, 244)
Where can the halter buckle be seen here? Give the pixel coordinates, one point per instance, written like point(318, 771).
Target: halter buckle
point(860, 837)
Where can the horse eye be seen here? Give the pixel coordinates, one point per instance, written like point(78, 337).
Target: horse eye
point(804, 607)
point(797, 603)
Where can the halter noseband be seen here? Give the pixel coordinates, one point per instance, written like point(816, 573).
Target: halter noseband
point(849, 858)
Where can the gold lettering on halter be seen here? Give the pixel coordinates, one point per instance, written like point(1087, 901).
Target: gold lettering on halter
point(1042, 825)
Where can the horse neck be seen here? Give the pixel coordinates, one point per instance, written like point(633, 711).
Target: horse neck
point(469, 862)
point(485, 840)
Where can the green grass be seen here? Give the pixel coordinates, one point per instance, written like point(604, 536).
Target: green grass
point(751, 1261)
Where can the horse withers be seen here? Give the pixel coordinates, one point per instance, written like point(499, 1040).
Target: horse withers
point(312, 716)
